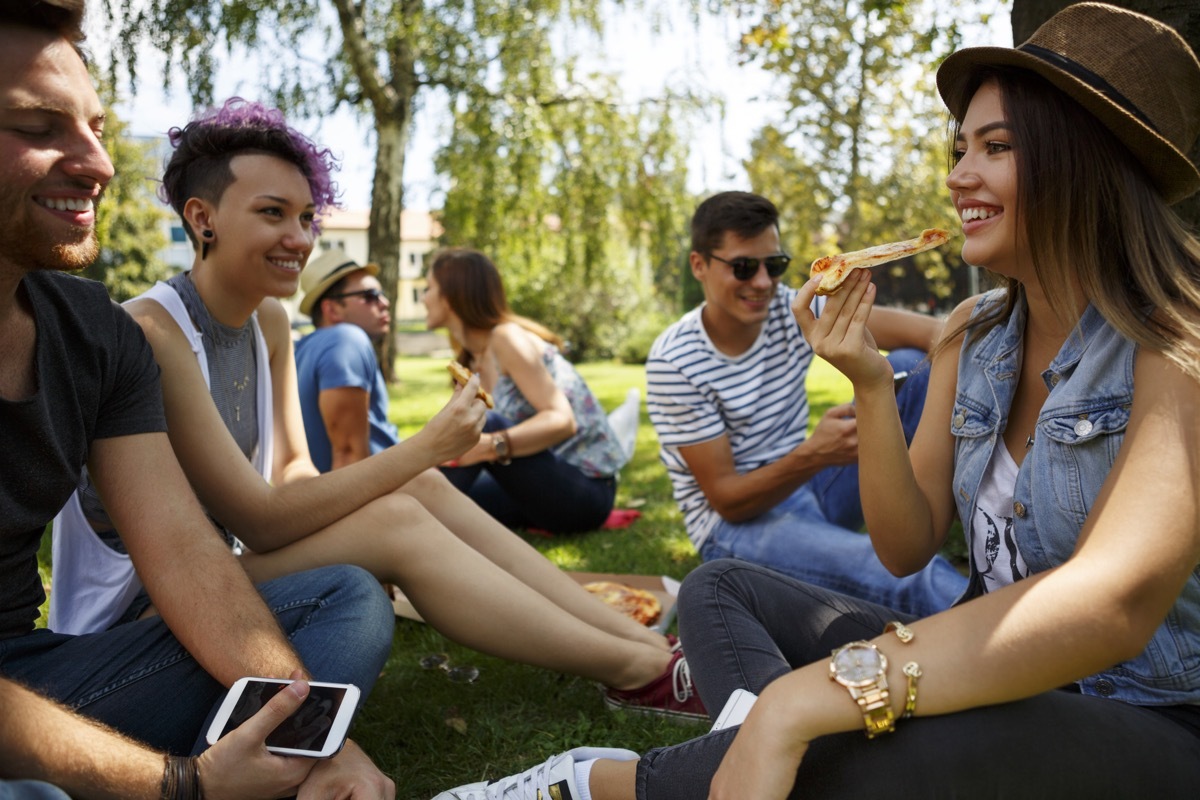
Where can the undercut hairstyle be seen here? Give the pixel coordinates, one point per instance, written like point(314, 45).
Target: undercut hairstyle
point(742, 213)
point(1091, 214)
point(471, 285)
point(199, 166)
point(61, 17)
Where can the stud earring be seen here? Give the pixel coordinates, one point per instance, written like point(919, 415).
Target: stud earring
point(208, 235)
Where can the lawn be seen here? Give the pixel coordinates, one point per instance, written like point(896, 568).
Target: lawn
point(429, 733)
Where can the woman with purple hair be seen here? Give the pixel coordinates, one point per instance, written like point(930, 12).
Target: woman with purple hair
point(249, 190)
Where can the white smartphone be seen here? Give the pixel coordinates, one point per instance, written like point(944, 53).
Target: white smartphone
point(736, 708)
point(317, 729)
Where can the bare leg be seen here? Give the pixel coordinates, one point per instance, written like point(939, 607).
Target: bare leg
point(509, 552)
point(463, 594)
point(613, 780)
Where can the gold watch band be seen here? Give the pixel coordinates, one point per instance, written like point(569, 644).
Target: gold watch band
point(878, 716)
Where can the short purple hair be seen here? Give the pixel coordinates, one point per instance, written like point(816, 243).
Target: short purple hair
point(199, 167)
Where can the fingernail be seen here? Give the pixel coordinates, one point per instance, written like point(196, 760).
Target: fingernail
point(299, 688)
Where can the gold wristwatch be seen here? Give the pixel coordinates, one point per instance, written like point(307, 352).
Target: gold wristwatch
point(862, 669)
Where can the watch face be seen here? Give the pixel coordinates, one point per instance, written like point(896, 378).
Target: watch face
point(858, 663)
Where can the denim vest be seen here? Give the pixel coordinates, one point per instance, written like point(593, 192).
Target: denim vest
point(1077, 437)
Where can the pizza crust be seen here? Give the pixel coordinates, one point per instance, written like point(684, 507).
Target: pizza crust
point(835, 269)
point(639, 604)
point(462, 375)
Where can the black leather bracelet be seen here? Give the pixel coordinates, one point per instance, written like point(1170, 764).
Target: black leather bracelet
point(181, 779)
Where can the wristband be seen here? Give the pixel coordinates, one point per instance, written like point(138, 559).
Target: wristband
point(181, 779)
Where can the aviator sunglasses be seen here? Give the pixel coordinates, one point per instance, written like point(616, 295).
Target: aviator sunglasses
point(745, 268)
point(368, 295)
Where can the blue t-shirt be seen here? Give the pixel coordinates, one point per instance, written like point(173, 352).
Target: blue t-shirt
point(335, 357)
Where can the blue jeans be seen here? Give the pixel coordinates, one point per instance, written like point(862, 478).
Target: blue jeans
point(138, 679)
point(536, 491)
point(813, 534)
point(31, 790)
point(744, 625)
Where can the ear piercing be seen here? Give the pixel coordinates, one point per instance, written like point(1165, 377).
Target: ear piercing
point(208, 236)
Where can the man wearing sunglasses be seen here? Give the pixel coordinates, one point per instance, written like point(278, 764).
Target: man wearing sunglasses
point(343, 396)
point(726, 393)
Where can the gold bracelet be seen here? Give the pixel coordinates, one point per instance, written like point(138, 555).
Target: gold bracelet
point(912, 671)
point(903, 632)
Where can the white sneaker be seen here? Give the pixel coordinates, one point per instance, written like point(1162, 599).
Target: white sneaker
point(553, 779)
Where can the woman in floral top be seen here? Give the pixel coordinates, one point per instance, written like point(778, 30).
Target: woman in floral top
point(547, 457)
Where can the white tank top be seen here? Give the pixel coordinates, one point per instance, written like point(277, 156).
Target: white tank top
point(92, 584)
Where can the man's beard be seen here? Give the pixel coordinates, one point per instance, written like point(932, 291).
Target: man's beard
point(74, 256)
point(69, 256)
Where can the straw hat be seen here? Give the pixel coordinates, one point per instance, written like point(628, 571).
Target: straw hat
point(1135, 74)
point(329, 268)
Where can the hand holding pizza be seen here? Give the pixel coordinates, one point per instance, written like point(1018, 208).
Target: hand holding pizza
point(840, 335)
point(456, 428)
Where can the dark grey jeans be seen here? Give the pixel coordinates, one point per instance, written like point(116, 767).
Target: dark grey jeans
point(744, 626)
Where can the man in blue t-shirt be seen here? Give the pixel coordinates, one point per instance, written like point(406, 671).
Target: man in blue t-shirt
point(726, 393)
point(343, 396)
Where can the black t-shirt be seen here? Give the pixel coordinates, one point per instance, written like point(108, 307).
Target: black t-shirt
point(96, 378)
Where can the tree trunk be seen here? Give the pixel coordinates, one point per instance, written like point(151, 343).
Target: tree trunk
point(387, 203)
point(1182, 15)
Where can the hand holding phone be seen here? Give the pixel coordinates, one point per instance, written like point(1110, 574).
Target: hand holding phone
point(317, 729)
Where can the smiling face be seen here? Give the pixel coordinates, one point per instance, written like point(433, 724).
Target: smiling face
point(262, 227)
point(53, 166)
point(735, 310)
point(983, 186)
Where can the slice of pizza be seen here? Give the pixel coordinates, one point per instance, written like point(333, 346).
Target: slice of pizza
point(462, 375)
point(639, 604)
point(834, 270)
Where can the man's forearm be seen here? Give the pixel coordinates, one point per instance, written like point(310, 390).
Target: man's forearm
point(212, 607)
point(739, 497)
point(41, 740)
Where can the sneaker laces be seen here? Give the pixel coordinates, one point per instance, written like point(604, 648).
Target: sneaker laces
point(681, 681)
point(532, 784)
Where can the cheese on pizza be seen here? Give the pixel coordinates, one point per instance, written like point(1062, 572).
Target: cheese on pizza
point(640, 604)
point(462, 375)
point(835, 269)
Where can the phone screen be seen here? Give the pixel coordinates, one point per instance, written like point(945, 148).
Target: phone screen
point(307, 729)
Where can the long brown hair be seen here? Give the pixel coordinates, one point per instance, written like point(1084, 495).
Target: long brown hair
point(471, 285)
point(1091, 213)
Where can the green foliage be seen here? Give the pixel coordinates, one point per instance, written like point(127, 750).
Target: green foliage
point(129, 219)
point(579, 199)
point(860, 157)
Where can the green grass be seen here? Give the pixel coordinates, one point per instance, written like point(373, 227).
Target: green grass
point(429, 733)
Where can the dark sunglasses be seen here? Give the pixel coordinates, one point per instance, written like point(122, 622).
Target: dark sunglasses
point(745, 268)
point(368, 295)
point(456, 673)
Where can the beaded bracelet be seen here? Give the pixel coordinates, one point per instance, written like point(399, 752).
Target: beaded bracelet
point(181, 779)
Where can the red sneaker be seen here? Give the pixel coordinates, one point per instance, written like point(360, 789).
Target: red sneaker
point(670, 694)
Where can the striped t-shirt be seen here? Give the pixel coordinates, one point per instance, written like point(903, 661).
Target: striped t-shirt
point(695, 393)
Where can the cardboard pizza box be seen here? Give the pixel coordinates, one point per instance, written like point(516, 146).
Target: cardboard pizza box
point(662, 587)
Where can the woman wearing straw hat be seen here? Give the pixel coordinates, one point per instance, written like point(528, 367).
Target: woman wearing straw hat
point(248, 188)
point(1061, 426)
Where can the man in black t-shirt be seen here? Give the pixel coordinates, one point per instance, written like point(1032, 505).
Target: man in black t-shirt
point(78, 384)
